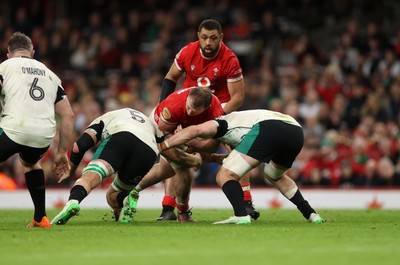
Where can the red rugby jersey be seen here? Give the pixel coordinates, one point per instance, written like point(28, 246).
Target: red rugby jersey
point(214, 73)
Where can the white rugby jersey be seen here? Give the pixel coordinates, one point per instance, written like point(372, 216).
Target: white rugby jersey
point(240, 123)
point(130, 120)
point(28, 94)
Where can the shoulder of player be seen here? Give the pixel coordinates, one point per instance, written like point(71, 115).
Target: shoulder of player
point(174, 100)
point(47, 68)
point(28, 63)
point(11, 62)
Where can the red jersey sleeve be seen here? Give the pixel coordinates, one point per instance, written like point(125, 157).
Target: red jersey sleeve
point(183, 56)
point(232, 67)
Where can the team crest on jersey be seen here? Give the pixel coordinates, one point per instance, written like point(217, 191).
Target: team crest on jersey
point(166, 114)
point(216, 70)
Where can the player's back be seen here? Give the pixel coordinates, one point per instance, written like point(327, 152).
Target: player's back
point(130, 120)
point(28, 94)
point(247, 118)
point(239, 123)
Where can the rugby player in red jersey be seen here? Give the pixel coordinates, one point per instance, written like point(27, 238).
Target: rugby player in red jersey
point(207, 62)
point(184, 107)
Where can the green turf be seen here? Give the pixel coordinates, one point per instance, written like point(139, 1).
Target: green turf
point(278, 237)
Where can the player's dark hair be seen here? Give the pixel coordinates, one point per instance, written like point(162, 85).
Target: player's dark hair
point(19, 41)
point(210, 24)
point(201, 97)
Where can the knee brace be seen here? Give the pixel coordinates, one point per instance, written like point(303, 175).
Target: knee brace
point(99, 168)
point(236, 163)
point(119, 185)
point(273, 172)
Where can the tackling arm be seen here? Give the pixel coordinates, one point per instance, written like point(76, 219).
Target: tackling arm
point(184, 159)
point(203, 145)
point(87, 140)
point(205, 130)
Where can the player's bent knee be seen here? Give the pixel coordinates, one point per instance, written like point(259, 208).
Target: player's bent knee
point(237, 164)
point(273, 172)
point(99, 168)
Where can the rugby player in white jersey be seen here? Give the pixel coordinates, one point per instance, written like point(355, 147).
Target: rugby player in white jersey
point(257, 136)
point(127, 150)
point(31, 95)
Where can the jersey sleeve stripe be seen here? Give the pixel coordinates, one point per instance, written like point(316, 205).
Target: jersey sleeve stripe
point(177, 65)
point(232, 80)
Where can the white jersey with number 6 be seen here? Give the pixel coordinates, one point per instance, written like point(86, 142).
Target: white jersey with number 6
point(28, 94)
point(130, 120)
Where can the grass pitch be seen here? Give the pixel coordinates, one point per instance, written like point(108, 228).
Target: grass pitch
point(278, 237)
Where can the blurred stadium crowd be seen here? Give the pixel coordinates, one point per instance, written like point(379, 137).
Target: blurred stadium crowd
point(333, 65)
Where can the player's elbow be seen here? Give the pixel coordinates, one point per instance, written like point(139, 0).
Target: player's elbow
point(68, 119)
point(70, 116)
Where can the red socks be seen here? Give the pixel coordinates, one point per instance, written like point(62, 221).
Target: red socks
point(246, 192)
point(182, 208)
point(169, 201)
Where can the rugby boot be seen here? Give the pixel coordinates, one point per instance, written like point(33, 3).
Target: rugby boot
point(71, 209)
point(235, 220)
point(129, 210)
point(167, 215)
point(251, 210)
point(316, 219)
point(44, 223)
point(185, 217)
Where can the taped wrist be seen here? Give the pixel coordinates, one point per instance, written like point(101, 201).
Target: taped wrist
point(164, 145)
point(84, 143)
point(168, 86)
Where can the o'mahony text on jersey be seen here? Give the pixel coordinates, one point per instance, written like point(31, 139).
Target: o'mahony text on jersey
point(33, 71)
